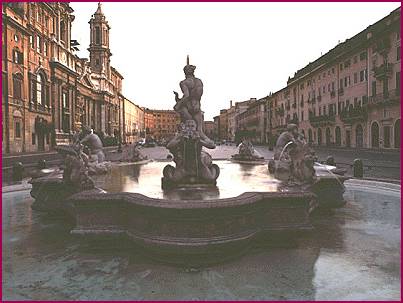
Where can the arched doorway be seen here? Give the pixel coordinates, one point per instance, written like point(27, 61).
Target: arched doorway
point(375, 135)
point(319, 136)
point(359, 136)
point(327, 134)
point(396, 134)
point(337, 134)
point(310, 135)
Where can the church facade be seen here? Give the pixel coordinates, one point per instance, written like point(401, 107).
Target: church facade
point(48, 92)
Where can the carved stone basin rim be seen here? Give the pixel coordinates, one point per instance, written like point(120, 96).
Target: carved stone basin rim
point(139, 199)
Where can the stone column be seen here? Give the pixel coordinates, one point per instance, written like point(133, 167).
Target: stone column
point(103, 116)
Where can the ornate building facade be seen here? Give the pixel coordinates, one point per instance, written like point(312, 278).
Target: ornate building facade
point(48, 91)
point(349, 97)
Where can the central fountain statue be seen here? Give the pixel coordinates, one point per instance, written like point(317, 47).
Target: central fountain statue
point(194, 166)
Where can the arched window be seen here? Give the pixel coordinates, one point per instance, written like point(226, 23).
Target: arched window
point(338, 135)
point(396, 134)
point(375, 135)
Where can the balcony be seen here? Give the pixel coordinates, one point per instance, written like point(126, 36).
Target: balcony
point(383, 71)
point(322, 120)
point(354, 114)
point(332, 94)
point(340, 91)
point(391, 97)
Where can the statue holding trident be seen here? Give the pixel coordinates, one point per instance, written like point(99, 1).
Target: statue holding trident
point(189, 105)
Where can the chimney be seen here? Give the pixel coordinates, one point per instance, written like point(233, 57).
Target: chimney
point(230, 103)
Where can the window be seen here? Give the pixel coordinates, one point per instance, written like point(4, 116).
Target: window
point(33, 139)
point(62, 30)
point(31, 41)
point(97, 35)
point(332, 70)
point(17, 87)
point(66, 103)
point(363, 56)
point(45, 48)
point(38, 44)
point(362, 75)
point(40, 89)
point(398, 83)
point(341, 66)
point(17, 130)
point(355, 60)
point(18, 57)
point(333, 86)
point(355, 78)
point(398, 54)
point(66, 112)
point(373, 88)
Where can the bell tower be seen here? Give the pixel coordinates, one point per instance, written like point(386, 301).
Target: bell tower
point(99, 43)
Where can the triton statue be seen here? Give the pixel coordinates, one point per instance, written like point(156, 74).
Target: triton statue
point(193, 165)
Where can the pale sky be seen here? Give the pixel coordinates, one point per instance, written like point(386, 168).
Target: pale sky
point(241, 50)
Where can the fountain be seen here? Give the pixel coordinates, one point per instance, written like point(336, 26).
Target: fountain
point(247, 153)
point(191, 216)
point(294, 164)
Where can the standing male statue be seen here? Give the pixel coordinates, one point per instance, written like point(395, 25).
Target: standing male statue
point(189, 105)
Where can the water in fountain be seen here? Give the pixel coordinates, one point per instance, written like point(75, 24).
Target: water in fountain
point(284, 148)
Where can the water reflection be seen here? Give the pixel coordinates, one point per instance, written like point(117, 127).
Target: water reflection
point(145, 179)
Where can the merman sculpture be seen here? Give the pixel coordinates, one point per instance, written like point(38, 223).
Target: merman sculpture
point(293, 160)
point(96, 158)
point(246, 152)
point(194, 166)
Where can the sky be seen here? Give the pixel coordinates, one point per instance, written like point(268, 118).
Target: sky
point(241, 50)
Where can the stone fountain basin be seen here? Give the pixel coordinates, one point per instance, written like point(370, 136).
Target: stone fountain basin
point(189, 231)
point(184, 226)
